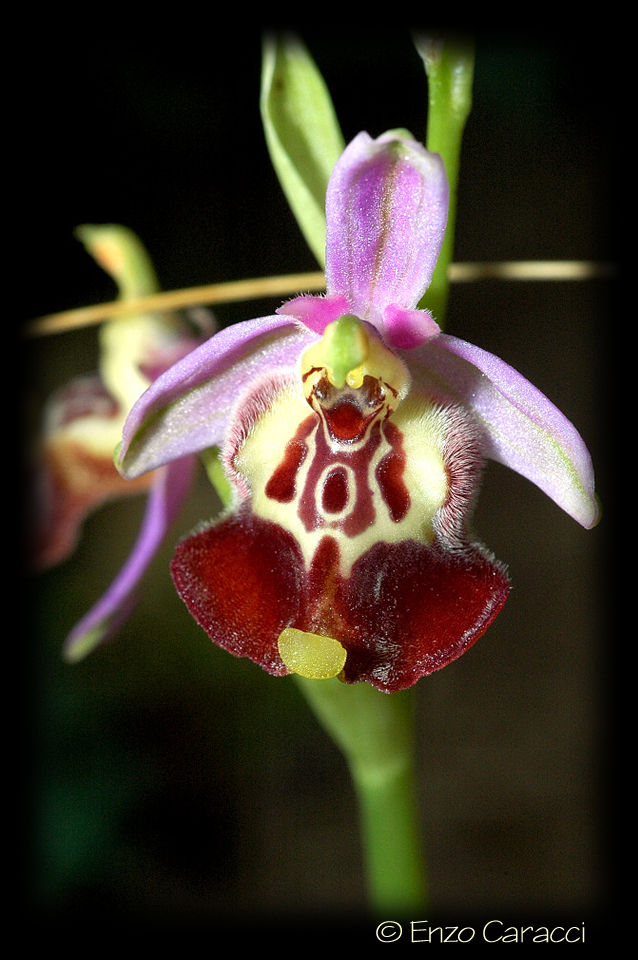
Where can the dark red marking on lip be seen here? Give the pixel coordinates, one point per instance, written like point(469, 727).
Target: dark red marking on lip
point(334, 496)
point(282, 484)
point(309, 373)
point(345, 441)
point(357, 460)
point(389, 474)
point(346, 423)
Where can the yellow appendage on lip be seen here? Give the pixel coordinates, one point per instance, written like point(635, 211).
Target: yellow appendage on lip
point(310, 655)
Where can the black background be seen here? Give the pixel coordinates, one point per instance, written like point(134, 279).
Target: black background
point(167, 781)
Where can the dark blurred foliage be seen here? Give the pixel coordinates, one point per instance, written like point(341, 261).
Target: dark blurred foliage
point(162, 781)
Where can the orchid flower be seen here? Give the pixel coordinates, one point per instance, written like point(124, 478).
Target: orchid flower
point(354, 434)
point(74, 472)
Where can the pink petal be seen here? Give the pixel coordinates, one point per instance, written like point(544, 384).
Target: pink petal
point(315, 312)
point(406, 329)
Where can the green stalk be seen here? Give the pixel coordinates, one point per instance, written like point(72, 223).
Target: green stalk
point(374, 731)
point(449, 64)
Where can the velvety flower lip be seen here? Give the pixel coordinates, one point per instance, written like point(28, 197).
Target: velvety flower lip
point(354, 433)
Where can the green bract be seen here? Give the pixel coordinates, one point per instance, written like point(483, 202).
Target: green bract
point(302, 133)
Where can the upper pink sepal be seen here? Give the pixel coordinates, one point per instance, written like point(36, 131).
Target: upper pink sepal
point(386, 212)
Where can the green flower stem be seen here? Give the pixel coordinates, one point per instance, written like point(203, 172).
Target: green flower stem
point(375, 733)
point(449, 64)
